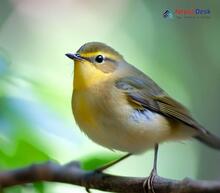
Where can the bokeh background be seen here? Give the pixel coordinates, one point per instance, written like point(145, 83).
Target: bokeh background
point(36, 122)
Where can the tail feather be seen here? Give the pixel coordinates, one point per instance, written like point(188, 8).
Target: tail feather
point(209, 139)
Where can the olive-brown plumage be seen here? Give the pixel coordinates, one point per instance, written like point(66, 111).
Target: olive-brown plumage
point(121, 108)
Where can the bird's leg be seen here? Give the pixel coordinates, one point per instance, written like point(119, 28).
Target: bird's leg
point(108, 165)
point(88, 190)
point(148, 183)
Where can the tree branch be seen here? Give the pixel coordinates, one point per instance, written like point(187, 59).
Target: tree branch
point(72, 174)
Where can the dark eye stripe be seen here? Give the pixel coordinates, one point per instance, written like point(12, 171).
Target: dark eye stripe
point(105, 59)
point(87, 58)
point(110, 60)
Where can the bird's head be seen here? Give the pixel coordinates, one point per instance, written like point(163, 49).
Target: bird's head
point(95, 62)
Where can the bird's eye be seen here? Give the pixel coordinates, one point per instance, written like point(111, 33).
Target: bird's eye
point(99, 58)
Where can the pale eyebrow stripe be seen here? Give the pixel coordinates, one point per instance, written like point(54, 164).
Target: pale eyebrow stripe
point(108, 56)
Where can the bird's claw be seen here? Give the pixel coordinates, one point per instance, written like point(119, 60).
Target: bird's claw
point(148, 183)
point(88, 190)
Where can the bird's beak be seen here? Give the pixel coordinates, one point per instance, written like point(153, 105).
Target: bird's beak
point(74, 56)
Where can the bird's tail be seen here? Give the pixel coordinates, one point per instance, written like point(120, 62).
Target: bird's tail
point(209, 139)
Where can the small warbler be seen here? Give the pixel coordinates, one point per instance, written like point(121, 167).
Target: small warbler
point(121, 108)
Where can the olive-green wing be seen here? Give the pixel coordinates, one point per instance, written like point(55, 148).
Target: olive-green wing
point(147, 94)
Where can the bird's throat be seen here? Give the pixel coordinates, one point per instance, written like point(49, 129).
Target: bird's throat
point(87, 75)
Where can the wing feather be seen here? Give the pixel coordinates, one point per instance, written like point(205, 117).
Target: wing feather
point(147, 94)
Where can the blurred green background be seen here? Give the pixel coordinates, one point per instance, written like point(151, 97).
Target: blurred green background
point(36, 123)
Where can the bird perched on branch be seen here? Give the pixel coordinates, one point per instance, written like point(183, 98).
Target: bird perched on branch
point(120, 107)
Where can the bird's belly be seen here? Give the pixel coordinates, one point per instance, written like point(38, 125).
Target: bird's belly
point(122, 128)
point(140, 131)
point(127, 131)
point(132, 135)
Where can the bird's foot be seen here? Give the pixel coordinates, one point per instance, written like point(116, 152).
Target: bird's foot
point(90, 175)
point(148, 183)
point(88, 190)
point(100, 169)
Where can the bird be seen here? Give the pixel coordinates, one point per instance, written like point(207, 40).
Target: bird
point(121, 108)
